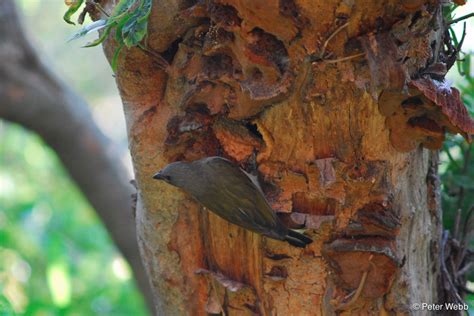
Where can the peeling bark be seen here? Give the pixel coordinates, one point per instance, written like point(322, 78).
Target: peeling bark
point(309, 94)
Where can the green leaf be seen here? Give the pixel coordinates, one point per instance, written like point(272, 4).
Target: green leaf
point(130, 19)
point(466, 66)
point(453, 36)
point(118, 30)
point(135, 28)
point(72, 9)
point(122, 7)
point(448, 12)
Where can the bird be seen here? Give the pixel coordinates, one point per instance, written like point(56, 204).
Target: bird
point(227, 190)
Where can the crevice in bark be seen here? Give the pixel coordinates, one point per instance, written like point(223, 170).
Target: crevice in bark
point(253, 129)
point(169, 54)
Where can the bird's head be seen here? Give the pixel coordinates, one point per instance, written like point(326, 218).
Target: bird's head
point(177, 174)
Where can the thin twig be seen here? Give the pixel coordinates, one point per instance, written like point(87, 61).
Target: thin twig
point(322, 55)
point(464, 269)
point(99, 7)
point(463, 36)
point(339, 29)
point(357, 293)
point(466, 223)
point(445, 271)
point(467, 156)
point(457, 224)
point(463, 244)
point(333, 61)
point(464, 17)
point(451, 158)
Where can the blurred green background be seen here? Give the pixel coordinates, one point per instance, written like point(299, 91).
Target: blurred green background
point(457, 156)
point(55, 256)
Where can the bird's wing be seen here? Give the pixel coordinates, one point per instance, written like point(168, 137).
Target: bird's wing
point(241, 201)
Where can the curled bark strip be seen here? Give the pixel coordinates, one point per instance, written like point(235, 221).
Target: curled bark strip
point(449, 102)
point(351, 258)
point(381, 49)
point(356, 294)
point(374, 219)
point(229, 284)
point(429, 110)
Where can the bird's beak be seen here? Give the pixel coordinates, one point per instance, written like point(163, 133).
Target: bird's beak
point(158, 176)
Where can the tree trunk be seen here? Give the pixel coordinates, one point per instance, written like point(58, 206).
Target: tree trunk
point(337, 105)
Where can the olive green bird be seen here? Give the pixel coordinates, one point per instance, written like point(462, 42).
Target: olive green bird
point(230, 192)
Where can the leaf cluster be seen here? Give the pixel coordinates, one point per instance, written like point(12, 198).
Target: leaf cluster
point(129, 19)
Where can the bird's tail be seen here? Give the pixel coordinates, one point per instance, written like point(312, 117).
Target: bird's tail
point(296, 239)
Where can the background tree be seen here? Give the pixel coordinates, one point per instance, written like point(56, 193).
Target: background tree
point(33, 96)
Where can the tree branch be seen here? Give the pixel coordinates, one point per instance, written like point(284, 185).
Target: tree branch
point(31, 95)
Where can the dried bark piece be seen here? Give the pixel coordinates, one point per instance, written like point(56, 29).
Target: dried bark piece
point(423, 115)
point(412, 5)
point(406, 136)
point(448, 100)
point(350, 300)
point(231, 295)
point(277, 273)
point(299, 220)
point(235, 139)
point(395, 56)
point(350, 259)
point(327, 174)
point(227, 283)
point(382, 50)
point(307, 203)
point(262, 13)
point(214, 97)
point(183, 124)
point(374, 219)
point(213, 305)
point(230, 66)
point(423, 111)
point(289, 183)
point(186, 133)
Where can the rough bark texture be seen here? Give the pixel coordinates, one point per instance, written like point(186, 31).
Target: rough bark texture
point(32, 96)
point(339, 143)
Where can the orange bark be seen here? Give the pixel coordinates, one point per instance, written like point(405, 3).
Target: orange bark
point(270, 79)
